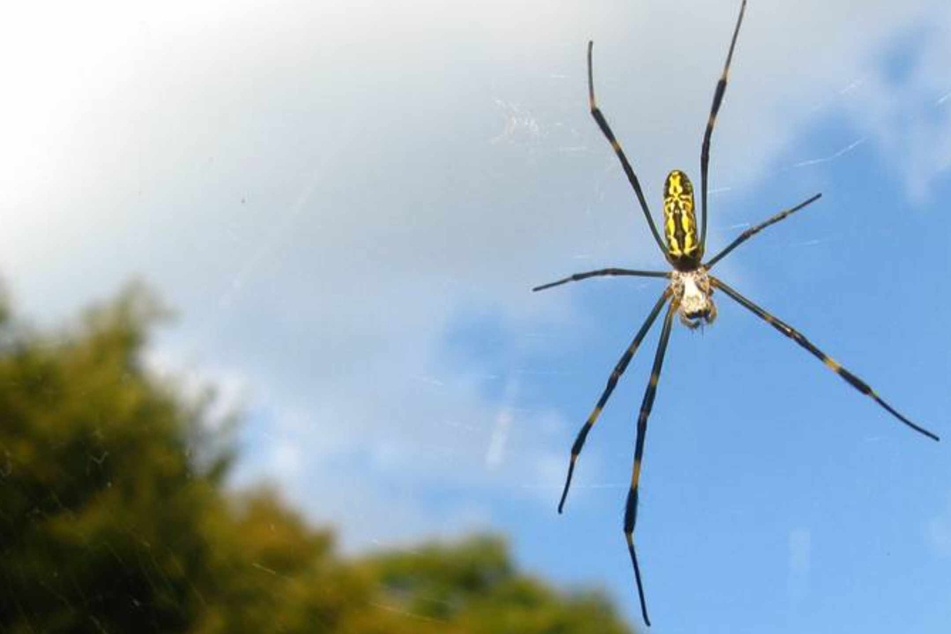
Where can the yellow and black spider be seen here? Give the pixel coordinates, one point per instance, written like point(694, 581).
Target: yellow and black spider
point(689, 293)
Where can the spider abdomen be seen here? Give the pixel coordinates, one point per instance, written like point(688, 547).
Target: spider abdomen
point(680, 223)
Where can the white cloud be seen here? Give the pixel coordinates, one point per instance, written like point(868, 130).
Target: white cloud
point(939, 532)
point(229, 388)
point(325, 188)
point(800, 562)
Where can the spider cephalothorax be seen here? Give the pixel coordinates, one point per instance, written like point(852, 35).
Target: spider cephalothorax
point(689, 293)
point(692, 294)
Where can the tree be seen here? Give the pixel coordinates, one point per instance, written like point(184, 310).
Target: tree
point(102, 508)
point(114, 517)
point(473, 587)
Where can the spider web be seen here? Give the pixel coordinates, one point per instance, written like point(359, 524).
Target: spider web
point(348, 206)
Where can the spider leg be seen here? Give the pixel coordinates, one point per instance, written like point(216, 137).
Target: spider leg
point(714, 109)
point(577, 277)
point(752, 231)
point(630, 512)
point(796, 336)
point(628, 170)
point(612, 382)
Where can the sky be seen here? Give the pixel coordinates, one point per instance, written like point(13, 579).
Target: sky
point(348, 203)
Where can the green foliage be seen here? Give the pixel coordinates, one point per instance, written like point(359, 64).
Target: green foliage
point(113, 517)
point(101, 508)
point(473, 587)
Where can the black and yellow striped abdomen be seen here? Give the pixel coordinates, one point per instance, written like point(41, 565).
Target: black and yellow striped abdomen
point(680, 223)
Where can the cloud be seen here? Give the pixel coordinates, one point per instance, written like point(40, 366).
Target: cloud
point(326, 189)
point(939, 532)
point(800, 561)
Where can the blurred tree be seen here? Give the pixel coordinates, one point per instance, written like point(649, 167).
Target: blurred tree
point(114, 518)
point(102, 508)
point(473, 587)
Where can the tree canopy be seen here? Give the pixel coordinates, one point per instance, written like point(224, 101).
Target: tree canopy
point(114, 516)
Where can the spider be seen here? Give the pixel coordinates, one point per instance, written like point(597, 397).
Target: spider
point(689, 292)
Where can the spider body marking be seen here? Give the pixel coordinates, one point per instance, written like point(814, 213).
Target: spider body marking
point(689, 293)
point(684, 250)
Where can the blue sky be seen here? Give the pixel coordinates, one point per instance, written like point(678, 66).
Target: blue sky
point(347, 202)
